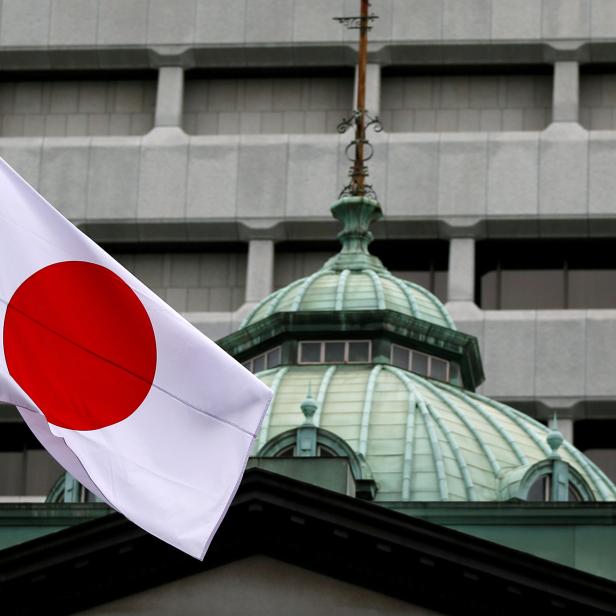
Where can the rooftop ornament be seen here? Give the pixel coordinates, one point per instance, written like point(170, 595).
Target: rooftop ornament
point(309, 407)
point(360, 118)
point(554, 438)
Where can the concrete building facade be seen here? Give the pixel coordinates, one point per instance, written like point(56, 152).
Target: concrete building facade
point(196, 141)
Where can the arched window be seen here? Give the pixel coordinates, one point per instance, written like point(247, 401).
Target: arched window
point(325, 444)
point(554, 480)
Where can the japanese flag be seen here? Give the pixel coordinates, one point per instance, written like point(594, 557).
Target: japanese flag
point(132, 400)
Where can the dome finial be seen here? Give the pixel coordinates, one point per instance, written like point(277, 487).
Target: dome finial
point(554, 438)
point(361, 119)
point(356, 215)
point(309, 406)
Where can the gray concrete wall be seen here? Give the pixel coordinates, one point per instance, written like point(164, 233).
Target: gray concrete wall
point(470, 180)
point(445, 103)
point(63, 108)
point(58, 23)
point(555, 359)
point(259, 586)
point(270, 105)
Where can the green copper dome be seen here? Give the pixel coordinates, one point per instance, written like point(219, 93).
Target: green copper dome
point(411, 433)
point(425, 440)
point(354, 279)
point(331, 289)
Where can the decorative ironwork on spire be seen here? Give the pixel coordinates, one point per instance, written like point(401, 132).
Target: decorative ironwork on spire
point(360, 151)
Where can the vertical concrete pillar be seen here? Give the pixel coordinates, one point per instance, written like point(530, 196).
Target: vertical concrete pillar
point(566, 92)
point(169, 96)
point(461, 276)
point(566, 428)
point(260, 270)
point(373, 89)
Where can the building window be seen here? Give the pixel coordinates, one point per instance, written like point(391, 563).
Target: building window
point(240, 102)
point(448, 101)
point(597, 97)
point(265, 361)
point(424, 364)
point(595, 438)
point(546, 274)
point(72, 104)
point(541, 491)
point(198, 277)
point(335, 352)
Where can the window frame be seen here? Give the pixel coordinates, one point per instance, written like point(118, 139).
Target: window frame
point(322, 361)
point(249, 363)
point(430, 358)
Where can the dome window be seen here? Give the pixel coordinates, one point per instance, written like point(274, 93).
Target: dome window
point(424, 364)
point(550, 480)
point(555, 482)
point(264, 361)
point(335, 352)
point(310, 441)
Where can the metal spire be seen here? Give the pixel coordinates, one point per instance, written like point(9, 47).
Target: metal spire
point(361, 119)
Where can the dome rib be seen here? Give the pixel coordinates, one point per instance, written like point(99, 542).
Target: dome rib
point(469, 485)
point(434, 301)
point(340, 288)
point(415, 311)
point(437, 454)
point(378, 288)
point(407, 469)
point(307, 283)
point(517, 419)
point(367, 410)
point(279, 297)
point(496, 468)
point(268, 416)
point(255, 310)
point(519, 454)
point(409, 435)
point(323, 387)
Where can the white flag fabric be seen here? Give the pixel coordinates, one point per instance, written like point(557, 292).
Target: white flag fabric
point(131, 399)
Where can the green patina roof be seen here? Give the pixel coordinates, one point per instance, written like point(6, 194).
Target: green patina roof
point(423, 440)
point(354, 279)
point(334, 290)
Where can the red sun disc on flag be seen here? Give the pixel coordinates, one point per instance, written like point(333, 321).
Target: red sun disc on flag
point(80, 343)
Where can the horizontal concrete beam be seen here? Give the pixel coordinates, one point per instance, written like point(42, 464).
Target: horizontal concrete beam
point(559, 359)
point(560, 181)
point(106, 23)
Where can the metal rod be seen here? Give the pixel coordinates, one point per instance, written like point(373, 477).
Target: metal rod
point(359, 151)
point(360, 129)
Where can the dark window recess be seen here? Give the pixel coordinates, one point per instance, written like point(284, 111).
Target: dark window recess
point(546, 274)
point(594, 434)
point(597, 439)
